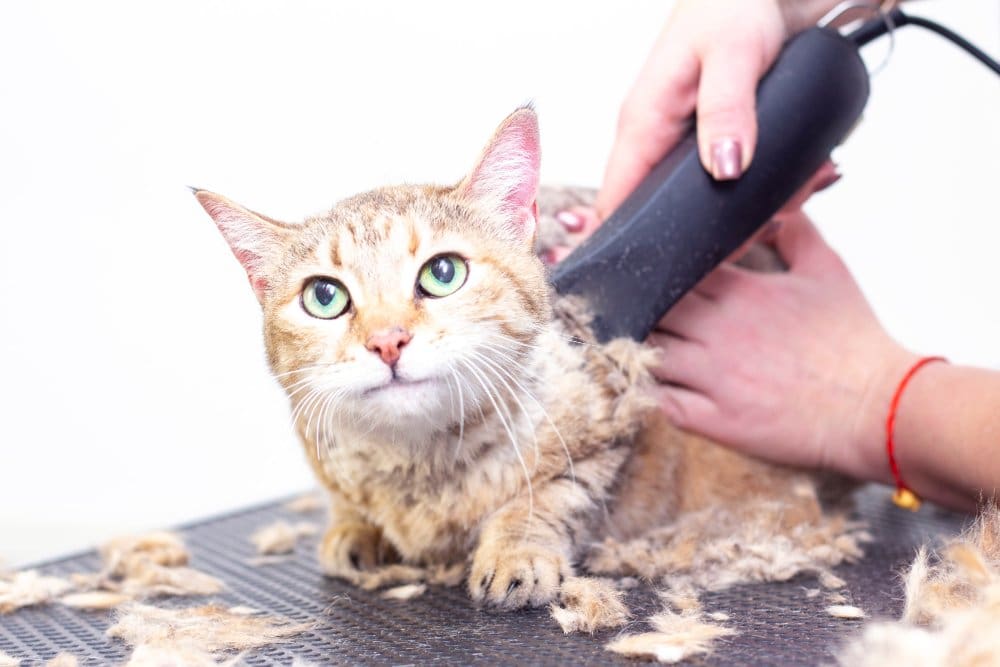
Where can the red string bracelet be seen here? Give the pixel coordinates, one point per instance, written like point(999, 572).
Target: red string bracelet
point(904, 496)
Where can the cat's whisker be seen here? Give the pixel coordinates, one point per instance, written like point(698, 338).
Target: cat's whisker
point(490, 366)
point(545, 413)
point(568, 338)
point(505, 422)
point(461, 410)
point(331, 410)
point(304, 369)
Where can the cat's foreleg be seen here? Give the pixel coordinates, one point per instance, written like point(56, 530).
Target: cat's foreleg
point(527, 547)
point(352, 544)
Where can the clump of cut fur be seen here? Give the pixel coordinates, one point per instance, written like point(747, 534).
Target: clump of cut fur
point(94, 600)
point(675, 637)
point(63, 660)
point(195, 635)
point(8, 660)
point(404, 592)
point(589, 604)
point(28, 588)
point(281, 536)
point(152, 564)
point(846, 611)
point(305, 504)
point(134, 567)
point(952, 607)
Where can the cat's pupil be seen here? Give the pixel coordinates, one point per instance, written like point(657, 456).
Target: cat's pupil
point(443, 270)
point(325, 293)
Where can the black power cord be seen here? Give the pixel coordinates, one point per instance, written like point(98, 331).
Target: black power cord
point(897, 19)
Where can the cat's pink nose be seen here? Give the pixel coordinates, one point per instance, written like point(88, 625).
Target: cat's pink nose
point(388, 342)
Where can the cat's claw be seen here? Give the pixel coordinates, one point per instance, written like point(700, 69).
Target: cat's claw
point(515, 577)
point(347, 548)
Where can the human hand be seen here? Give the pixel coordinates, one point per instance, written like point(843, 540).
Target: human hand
point(707, 60)
point(791, 367)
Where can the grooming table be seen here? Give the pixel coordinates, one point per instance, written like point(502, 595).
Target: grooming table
point(777, 623)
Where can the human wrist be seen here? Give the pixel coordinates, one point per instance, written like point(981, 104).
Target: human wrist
point(864, 456)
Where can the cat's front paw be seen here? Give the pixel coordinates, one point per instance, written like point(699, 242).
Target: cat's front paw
point(350, 547)
point(514, 576)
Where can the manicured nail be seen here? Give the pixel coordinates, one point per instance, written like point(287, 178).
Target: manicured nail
point(571, 221)
point(727, 159)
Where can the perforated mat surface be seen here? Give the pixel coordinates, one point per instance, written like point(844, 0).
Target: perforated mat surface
point(777, 623)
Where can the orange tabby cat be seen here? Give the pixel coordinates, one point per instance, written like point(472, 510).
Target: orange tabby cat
point(453, 418)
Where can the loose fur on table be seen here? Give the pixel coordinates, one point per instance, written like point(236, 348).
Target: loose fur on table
point(280, 537)
point(675, 637)
point(952, 607)
point(27, 588)
point(134, 567)
point(195, 635)
point(589, 604)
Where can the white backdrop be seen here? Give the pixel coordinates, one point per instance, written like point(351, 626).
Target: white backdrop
point(133, 391)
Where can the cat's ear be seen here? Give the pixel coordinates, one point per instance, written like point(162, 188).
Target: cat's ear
point(506, 177)
point(256, 240)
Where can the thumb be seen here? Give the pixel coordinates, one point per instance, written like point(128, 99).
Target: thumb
point(727, 118)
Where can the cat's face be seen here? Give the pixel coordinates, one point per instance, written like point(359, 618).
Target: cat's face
point(407, 308)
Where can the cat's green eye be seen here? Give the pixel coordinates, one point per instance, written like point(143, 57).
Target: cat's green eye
point(442, 275)
point(325, 298)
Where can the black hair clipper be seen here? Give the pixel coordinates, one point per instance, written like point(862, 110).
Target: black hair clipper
point(680, 223)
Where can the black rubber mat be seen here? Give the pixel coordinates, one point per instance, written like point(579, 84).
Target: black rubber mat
point(778, 623)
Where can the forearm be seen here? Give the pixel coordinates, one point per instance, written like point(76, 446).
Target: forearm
point(947, 433)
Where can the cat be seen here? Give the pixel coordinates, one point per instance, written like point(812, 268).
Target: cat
point(458, 412)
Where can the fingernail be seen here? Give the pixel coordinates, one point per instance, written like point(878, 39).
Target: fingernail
point(571, 221)
point(727, 159)
point(827, 181)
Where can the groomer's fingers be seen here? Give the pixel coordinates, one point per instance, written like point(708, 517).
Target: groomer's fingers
point(723, 279)
point(802, 246)
point(579, 223)
point(688, 317)
point(825, 176)
point(727, 102)
point(686, 408)
point(655, 115)
point(682, 362)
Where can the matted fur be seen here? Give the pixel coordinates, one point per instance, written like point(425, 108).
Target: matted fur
point(501, 437)
point(952, 607)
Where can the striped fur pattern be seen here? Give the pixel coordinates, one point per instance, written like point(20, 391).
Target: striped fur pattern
point(502, 437)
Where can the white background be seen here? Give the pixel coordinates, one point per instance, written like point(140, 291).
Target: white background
point(133, 391)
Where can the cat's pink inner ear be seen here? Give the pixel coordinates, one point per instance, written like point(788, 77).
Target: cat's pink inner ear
point(252, 238)
point(506, 177)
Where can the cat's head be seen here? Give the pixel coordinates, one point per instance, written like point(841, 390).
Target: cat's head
point(405, 307)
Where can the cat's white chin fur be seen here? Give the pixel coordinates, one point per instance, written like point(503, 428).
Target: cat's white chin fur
point(409, 405)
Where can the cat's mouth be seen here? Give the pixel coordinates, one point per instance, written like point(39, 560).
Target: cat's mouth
point(396, 383)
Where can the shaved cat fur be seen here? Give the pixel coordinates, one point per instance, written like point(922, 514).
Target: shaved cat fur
point(497, 433)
